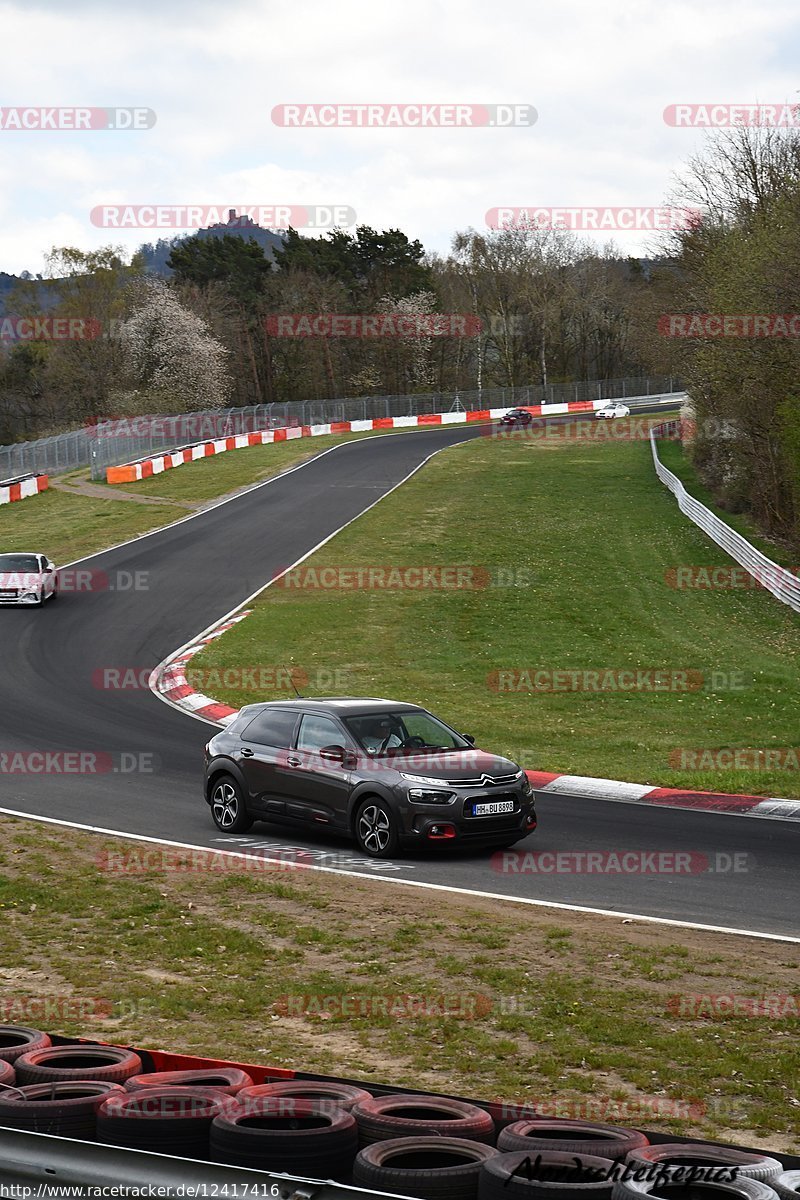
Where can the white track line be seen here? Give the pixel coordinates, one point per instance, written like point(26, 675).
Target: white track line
point(433, 887)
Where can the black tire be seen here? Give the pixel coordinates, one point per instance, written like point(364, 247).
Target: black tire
point(297, 1137)
point(229, 1080)
point(169, 1120)
point(54, 593)
point(787, 1185)
point(338, 1095)
point(738, 1189)
point(571, 1137)
point(436, 1168)
point(7, 1075)
point(749, 1166)
point(228, 806)
point(401, 1115)
point(376, 829)
point(16, 1040)
point(65, 1109)
point(77, 1063)
point(546, 1175)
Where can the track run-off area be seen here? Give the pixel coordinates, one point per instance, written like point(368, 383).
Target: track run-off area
point(149, 784)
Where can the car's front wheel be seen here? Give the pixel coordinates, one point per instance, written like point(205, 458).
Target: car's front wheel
point(228, 807)
point(376, 829)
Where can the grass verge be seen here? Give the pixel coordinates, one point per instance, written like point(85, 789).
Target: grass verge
point(591, 539)
point(245, 967)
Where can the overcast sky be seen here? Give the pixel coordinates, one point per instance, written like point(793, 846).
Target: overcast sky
point(599, 75)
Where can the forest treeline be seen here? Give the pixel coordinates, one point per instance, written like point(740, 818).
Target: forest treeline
point(517, 307)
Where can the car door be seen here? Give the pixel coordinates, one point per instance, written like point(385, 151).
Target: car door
point(261, 753)
point(317, 785)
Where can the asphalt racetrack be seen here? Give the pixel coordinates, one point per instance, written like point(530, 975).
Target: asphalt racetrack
point(151, 754)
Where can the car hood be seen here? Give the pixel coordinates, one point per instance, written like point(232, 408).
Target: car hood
point(20, 580)
point(453, 766)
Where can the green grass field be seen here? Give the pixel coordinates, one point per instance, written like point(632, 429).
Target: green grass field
point(581, 1016)
point(598, 536)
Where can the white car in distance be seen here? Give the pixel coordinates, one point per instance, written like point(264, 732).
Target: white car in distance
point(27, 579)
point(613, 409)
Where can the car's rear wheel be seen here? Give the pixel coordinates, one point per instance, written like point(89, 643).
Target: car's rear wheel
point(228, 807)
point(376, 829)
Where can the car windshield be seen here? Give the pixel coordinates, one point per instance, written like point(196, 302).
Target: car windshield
point(409, 732)
point(18, 562)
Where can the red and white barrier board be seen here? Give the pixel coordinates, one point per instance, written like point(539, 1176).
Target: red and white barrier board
point(19, 489)
point(143, 469)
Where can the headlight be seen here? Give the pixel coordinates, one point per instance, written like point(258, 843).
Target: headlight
point(423, 796)
point(526, 784)
point(421, 779)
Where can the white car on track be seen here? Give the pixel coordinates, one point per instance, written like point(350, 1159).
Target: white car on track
point(27, 579)
point(613, 409)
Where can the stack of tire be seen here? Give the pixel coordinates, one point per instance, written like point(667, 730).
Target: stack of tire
point(57, 1090)
point(431, 1147)
point(563, 1159)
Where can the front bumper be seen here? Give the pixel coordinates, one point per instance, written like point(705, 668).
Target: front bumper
point(455, 822)
point(9, 597)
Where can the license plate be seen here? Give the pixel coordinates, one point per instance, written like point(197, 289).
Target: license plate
point(489, 809)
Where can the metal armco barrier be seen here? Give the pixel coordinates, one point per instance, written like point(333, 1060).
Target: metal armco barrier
point(56, 1163)
point(783, 585)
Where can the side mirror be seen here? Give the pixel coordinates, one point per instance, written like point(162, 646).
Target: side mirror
point(339, 754)
point(468, 738)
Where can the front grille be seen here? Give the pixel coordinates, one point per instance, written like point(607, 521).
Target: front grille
point(484, 781)
point(7, 595)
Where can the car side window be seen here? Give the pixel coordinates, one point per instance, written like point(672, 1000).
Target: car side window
point(273, 727)
point(317, 732)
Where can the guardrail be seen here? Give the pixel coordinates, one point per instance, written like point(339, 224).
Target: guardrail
point(783, 585)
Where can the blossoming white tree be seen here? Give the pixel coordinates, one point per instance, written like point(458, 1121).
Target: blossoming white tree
point(170, 353)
